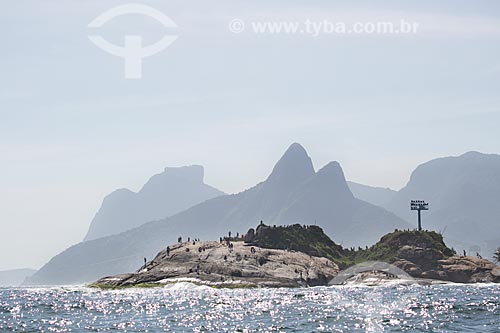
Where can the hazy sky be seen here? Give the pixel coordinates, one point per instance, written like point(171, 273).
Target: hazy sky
point(72, 129)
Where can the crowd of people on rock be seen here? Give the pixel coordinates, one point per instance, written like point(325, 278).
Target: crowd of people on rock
point(179, 240)
point(227, 241)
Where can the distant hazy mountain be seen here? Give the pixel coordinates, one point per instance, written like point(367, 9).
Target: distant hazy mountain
point(293, 193)
point(165, 194)
point(463, 194)
point(378, 196)
point(14, 277)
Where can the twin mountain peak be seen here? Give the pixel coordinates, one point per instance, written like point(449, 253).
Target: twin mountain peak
point(177, 189)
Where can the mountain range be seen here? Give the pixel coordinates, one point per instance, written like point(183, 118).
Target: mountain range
point(165, 194)
point(462, 192)
point(293, 193)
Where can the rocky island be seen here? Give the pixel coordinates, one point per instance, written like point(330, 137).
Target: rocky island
point(295, 256)
point(220, 265)
point(424, 255)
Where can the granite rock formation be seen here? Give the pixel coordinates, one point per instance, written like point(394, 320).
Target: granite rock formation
point(219, 264)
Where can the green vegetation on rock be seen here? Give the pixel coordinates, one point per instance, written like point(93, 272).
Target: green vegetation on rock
point(308, 239)
point(388, 247)
point(496, 255)
point(313, 241)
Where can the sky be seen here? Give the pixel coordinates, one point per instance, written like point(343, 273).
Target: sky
point(73, 129)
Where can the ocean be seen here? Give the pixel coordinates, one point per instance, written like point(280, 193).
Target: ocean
point(185, 307)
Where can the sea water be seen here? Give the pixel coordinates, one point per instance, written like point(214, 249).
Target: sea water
point(185, 307)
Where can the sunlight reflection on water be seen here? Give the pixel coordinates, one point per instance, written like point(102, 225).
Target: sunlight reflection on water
point(188, 308)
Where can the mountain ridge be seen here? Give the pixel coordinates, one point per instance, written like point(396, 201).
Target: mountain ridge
point(163, 195)
point(378, 196)
point(309, 197)
point(461, 192)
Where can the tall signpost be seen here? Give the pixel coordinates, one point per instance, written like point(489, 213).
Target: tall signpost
point(419, 205)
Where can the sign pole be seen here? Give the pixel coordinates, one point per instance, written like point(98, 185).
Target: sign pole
point(419, 206)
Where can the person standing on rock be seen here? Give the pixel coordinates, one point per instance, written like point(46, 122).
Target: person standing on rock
point(168, 251)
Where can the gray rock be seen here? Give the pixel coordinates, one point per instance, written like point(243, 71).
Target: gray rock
point(468, 269)
point(430, 263)
point(221, 266)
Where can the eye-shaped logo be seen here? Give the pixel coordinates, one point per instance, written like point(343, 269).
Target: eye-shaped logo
point(132, 51)
point(379, 280)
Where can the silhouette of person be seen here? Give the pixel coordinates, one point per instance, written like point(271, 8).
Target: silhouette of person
point(168, 251)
